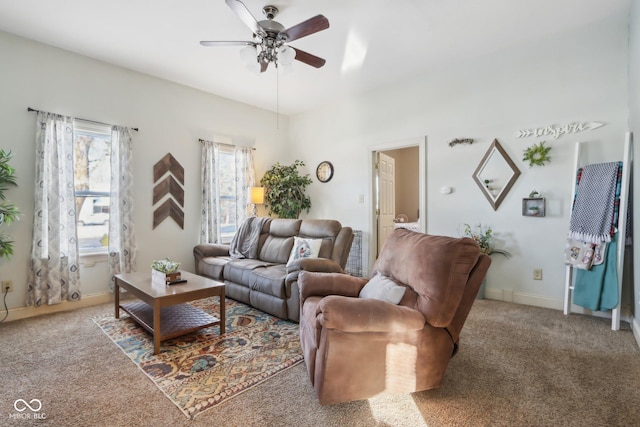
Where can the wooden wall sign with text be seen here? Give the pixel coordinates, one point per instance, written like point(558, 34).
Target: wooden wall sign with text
point(557, 131)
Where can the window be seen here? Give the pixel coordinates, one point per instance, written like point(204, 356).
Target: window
point(227, 173)
point(227, 192)
point(92, 176)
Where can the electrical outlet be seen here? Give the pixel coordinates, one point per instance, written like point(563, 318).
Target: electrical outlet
point(537, 274)
point(7, 286)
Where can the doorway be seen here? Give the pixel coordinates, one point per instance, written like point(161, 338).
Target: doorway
point(386, 168)
point(398, 190)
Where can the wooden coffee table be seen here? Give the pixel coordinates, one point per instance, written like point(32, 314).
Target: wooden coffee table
point(163, 311)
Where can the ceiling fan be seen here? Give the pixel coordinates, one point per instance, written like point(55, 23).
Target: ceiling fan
point(270, 38)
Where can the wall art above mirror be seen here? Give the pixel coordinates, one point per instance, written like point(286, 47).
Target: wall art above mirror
point(496, 174)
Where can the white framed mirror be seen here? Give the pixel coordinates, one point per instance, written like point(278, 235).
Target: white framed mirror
point(496, 174)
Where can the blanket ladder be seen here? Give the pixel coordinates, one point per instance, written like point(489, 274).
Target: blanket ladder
point(622, 226)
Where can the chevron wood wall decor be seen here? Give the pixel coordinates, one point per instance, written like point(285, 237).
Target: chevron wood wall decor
point(168, 209)
point(170, 186)
point(168, 164)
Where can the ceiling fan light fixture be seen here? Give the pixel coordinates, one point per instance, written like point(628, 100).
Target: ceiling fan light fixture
point(286, 55)
point(249, 55)
point(285, 69)
point(270, 38)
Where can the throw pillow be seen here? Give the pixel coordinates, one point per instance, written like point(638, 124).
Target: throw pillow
point(304, 248)
point(383, 288)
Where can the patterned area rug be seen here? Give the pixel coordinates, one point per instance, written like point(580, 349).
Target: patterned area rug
point(200, 370)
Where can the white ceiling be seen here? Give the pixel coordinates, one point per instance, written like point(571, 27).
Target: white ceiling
point(369, 43)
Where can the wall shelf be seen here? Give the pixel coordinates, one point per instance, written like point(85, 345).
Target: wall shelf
point(534, 206)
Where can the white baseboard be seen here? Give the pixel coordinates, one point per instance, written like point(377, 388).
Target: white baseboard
point(509, 295)
point(86, 301)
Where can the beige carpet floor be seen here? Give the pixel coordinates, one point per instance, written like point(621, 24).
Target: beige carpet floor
point(517, 366)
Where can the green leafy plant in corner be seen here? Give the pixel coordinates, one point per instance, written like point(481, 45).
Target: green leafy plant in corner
point(8, 211)
point(537, 154)
point(285, 190)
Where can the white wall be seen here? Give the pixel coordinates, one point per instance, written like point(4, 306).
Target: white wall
point(580, 75)
point(634, 126)
point(171, 119)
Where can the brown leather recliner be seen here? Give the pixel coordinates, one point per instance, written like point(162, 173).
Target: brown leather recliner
point(356, 348)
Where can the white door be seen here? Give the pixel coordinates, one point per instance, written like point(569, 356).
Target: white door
point(386, 197)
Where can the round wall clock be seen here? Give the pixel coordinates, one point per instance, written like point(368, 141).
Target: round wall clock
point(324, 171)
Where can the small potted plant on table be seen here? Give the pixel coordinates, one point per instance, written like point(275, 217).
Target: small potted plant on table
point(165, 271)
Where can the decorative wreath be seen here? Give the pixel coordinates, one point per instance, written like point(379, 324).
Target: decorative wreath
point(537, 154)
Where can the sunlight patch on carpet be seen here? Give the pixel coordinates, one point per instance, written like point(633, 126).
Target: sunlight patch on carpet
point(200, 370)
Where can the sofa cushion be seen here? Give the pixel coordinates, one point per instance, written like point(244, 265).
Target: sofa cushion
point(281, 227)
point(304, 248)
point(241, 270)
point(276, 249)
point(324, 229)
point(212, 266)
point(384, 289)
point(270, 280)
point(277, 245)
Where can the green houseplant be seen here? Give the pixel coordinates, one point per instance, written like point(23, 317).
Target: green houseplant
point(285, 190)
point(484, 237)
point(8, 211)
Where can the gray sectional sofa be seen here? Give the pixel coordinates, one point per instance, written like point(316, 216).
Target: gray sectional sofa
point(269, 281)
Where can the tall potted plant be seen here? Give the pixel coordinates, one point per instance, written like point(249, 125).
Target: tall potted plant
point(285, 190)
point(8, 211)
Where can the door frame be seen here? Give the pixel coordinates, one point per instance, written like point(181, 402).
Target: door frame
point(421, 143)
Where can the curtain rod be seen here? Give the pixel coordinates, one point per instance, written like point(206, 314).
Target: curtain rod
point(222, 143)
point(86, 120)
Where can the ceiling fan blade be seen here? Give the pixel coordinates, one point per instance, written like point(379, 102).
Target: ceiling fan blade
point(245, 16)
point(309, 59)
point(226, 43)
point(303, 29)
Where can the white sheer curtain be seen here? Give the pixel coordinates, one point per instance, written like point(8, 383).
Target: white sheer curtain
point(122, 238)
point(210, 174)
point(209, 224)
point(245, 178)
point(54, 274)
